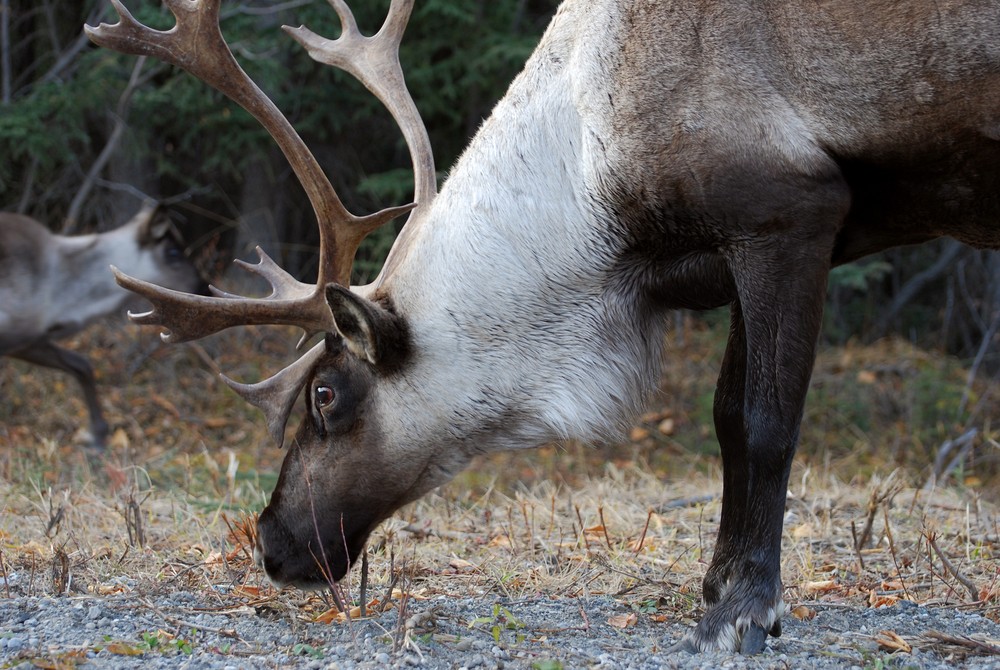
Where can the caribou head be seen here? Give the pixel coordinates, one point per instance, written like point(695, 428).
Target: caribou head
point(356, 456)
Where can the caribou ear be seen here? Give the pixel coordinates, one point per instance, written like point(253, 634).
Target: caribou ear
point(372, 332)
point(153, 225)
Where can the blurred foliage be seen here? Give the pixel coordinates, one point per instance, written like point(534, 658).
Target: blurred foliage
point(61, 97)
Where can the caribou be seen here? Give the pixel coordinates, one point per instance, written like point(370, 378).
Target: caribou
point(650, 156)
point(52, 286)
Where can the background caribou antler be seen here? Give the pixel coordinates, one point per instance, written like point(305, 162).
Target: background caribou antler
point(196, 44)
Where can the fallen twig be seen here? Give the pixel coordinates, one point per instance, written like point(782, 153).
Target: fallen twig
point(686, 502)
point(969, 586)
point(225, 632)
point(966, 643)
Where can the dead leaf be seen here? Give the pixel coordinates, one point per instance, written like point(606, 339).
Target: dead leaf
point(803, 613)
point(820, 586)
point(889, 641)
point(876, 600)
point(866, 377)
point(251, 591)
point(109, 589)
point(462, 565)
point(334, 615)
point(329, 616)
point(656, 417)
point(166, 405)
point(500, 541)
point(122, 649)
point(213, 557)
point(623, 620)
point(638, 434)
point(646, 545)
point(119, 440)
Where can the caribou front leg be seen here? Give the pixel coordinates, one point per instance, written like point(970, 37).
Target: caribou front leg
point(49, 355)
point(730, 429)
point(758, 410)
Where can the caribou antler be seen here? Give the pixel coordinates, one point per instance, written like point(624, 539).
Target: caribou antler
point(196, 44)
point(374, 61)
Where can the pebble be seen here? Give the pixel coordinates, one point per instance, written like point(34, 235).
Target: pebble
point(12, 644)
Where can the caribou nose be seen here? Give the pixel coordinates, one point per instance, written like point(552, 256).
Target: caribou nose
point(258, 559)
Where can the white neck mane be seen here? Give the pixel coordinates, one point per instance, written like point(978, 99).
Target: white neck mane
point(506, 282)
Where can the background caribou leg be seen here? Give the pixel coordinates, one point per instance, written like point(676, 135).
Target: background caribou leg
point(47, 354)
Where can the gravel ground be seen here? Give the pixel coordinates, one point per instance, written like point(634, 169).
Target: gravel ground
point(184, 630)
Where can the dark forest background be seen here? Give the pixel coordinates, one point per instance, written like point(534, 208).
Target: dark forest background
point(85, 133)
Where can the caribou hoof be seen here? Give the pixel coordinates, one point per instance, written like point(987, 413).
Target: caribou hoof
point(685, 646)
point(753, 640)
point(719, 632)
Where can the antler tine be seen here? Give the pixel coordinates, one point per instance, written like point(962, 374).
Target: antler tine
point(276, 396)
point(190, 317)
point(374, 61)
point(283, 285)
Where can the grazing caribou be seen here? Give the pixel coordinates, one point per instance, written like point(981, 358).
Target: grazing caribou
point(651, 156)
point(51, 286)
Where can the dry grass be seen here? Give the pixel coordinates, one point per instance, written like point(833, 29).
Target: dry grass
point(188, 462)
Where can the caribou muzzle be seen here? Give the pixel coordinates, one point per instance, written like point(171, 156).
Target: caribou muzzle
point(309, 553)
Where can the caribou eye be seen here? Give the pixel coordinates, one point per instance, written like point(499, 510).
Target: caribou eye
point(324, 396)
point(173, 253)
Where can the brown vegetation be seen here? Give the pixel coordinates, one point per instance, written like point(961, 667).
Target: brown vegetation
point(168, 506)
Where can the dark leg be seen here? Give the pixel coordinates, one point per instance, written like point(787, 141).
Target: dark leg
point(49, 355)
point(728, 414)
point(758, 410)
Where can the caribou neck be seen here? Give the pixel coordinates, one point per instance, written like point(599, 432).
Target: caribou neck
point(508, 281)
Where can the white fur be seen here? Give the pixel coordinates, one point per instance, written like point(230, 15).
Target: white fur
point(515, 317)
point(730, 636)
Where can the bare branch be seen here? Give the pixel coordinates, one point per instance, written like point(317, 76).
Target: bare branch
point(121, 113)
point(914, 285)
